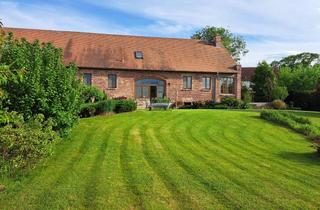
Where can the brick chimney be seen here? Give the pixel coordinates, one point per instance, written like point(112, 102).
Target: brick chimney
point(217, 41)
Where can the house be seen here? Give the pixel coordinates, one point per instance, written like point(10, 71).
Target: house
point(184, 70)
point(247, 75)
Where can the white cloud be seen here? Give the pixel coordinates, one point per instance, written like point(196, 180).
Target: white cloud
point(53, 17)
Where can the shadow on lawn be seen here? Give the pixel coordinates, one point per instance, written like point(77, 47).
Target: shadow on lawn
point(309, 158)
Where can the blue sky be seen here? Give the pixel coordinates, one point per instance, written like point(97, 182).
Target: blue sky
point(271, 28)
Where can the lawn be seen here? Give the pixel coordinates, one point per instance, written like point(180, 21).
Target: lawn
point(185, 159)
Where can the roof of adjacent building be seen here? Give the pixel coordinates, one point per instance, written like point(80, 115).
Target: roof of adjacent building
point(92, 50)
point(247, 73)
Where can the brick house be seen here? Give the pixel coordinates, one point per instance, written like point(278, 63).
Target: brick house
point(247, 75)
point(184, 70)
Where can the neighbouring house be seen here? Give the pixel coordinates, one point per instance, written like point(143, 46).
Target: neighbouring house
point(247, 75)
point(137, 67)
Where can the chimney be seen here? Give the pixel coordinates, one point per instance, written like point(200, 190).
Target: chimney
point(217, 41)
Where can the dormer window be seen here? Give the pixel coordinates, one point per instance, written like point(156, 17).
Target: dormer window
point(138, 54)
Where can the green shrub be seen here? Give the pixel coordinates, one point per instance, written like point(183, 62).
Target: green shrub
point(90, 94)
point(87, 110)
point(160, 100)
point(92, 109)
point(279, 93)
point(299, 124)
point(125, 106)
point(246, 95)
point(12, 118)
point(23, 145)
point(316, 145)
point(232, 103)
point(278, 104)
point(48, 87)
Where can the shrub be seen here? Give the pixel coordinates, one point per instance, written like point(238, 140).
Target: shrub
point(278, 104)
point(25, 144)
point(87, 110)
point(246, 94)
point(160, 100)
point(231, 103)
point(90, 94)
point(120, 98)
point(299, 124)
point(48, 87)
point(279, 93)
point(92, 109)
point(316, 145)
point(125, 106)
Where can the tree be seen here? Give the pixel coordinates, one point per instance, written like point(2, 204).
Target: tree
point(264, 81)
point(233, 43)
point(279, 93)
point(48, 86)
point(305, 59)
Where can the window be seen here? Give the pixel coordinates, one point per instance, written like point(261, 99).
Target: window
point(150, 88)
point(206, 83)
point(138, 54)
point(227, 85)
point(87, 79)
point(187, 82)
point(112, 81)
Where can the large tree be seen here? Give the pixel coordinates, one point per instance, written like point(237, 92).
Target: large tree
point(305, 59)
point(264, 80)
point(236, 45)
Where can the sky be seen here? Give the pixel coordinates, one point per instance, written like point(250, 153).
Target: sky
point(272, 28)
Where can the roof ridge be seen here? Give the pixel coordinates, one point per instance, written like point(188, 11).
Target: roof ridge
point(101, 34)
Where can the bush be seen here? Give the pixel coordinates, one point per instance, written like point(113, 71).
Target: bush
point(278, 104)
point(160, 100)
point(246, 94)
point(279, 93)
point(25, 144)
point(90, 94)
point(299, 124)
point(48, 87)
point(316, 145)
point(125, 106)
point(92, 109)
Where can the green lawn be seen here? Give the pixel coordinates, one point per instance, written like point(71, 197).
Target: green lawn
point(185, 159)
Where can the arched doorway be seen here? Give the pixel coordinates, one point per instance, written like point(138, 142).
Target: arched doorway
point(149, 88)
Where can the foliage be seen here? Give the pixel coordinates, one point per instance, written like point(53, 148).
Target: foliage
point(12, 118)
point(125, 106)
point(160, 100)
point(280, 93)
point(316, 145)
point(246, 94)
point(226, 103)
point(299, 124)
point(92, 109)
point(305, 59)
point(236, 45)
point(23, 144)
point(90, 94)
point(299, 78)
point(264, 81)
point(48, 87)
point(278, 104)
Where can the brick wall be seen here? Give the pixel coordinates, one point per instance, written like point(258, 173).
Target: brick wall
point(173, 84)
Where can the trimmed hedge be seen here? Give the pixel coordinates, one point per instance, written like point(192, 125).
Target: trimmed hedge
point(226, 103)
point(117, 106)
point(299, 124)
point(125, 106)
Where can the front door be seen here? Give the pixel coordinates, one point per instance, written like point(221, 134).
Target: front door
point(153, 92)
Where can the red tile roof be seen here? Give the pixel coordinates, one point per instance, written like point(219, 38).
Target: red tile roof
point(247, 73)
point(117, 51)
